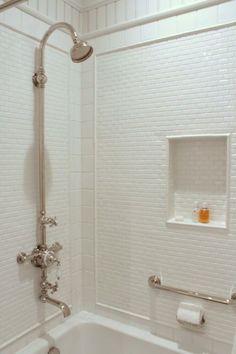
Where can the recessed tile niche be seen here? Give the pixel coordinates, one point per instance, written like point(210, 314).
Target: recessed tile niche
point(198, 172)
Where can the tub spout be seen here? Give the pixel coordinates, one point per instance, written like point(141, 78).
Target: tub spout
point(61, 305)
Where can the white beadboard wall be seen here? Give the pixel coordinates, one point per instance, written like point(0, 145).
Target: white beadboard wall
point(55, 10)
point(128, 54)
point(23, 317)
point(109, 13)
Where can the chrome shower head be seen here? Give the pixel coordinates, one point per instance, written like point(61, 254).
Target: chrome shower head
point(81, 51)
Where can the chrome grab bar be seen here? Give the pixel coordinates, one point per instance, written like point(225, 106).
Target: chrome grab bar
point(155, 283)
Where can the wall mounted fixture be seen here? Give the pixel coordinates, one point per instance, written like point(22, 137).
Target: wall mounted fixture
point(44, 256)
point(155, 283)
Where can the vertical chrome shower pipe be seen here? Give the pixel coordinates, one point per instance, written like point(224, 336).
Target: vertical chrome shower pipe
point(40, 92)
point(40, 80)
point(41, 159)
point(40, 98)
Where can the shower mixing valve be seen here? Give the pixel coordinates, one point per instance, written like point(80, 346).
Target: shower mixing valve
point(41, 256)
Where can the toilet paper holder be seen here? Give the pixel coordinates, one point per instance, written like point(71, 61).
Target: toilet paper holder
point(190, 325)
point(190, 315)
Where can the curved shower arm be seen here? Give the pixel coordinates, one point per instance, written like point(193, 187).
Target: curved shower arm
point(52, 29)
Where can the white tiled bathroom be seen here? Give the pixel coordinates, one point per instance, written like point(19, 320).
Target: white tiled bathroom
point(132, 149)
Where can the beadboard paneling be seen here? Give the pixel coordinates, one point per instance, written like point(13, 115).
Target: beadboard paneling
point(59, 10)
point(114, 12)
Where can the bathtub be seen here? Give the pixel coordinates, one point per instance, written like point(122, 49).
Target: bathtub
point(87, 333)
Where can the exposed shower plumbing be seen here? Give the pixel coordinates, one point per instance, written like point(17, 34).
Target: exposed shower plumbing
point(79, 52)
point(43, 256)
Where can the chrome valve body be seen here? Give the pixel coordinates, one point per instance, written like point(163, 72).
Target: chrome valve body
point(41, 256)
point(44, 257)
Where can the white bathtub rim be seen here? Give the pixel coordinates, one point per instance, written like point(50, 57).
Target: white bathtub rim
point(135, 332)
point(85, 317)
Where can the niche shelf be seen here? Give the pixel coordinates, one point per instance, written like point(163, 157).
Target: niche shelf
point(198, 171)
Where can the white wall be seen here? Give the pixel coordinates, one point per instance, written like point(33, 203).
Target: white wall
point(124, 67)
point(23, 317)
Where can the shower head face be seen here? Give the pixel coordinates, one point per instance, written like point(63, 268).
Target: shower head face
point(81, 51)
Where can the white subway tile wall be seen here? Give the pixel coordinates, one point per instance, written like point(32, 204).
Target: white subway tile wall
point(177, 87)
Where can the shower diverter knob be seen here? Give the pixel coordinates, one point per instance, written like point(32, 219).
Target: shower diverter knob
point(49, 258)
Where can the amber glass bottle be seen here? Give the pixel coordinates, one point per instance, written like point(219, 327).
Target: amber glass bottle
point(204, 214)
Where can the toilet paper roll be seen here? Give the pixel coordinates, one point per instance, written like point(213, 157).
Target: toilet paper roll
point(190, 314)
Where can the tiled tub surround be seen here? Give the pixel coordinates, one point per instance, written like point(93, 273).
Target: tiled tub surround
point(182, 86)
